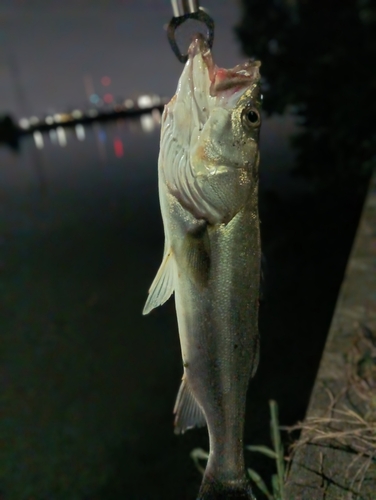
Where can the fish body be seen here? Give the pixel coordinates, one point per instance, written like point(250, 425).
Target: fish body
point(208, 183)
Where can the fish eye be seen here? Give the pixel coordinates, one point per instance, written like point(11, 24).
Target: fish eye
point(251, 117)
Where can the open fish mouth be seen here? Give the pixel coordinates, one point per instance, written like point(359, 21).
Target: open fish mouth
point(203, 85)
point(220, 82)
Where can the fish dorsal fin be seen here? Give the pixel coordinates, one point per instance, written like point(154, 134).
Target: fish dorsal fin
point(188, 413)
point(163, 285)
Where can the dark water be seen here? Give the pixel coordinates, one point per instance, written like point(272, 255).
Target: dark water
point(87, 383)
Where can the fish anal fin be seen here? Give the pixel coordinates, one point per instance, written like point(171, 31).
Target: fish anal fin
point(188, 413)
point(163, 285)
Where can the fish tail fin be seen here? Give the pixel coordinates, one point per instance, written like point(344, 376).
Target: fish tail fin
point(214, 490)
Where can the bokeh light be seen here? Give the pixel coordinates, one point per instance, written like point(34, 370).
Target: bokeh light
point(118, 147)
point(94, 98)
point(108, 98)
point(106, 81)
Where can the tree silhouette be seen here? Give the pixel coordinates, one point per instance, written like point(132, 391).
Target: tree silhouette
point(319, 60)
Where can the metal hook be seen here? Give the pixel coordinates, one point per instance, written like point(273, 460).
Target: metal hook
point(183, 10)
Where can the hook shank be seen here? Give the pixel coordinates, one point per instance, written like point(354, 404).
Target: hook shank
point(182, 7)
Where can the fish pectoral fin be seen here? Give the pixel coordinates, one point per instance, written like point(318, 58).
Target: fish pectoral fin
point(196, 251)
point(188, 413)
point(163, 285)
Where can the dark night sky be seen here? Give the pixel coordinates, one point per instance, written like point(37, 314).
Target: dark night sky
point(55, 44)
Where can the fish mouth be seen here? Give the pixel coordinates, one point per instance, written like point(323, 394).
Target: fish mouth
point(199, 49)
point(199, 45)
point(223, 82)
point(205, 90)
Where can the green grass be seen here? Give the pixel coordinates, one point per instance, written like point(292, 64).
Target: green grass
point(277, 454)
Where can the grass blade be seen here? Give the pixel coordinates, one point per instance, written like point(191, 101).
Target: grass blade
point(199, 454)
point(260, 483)
point(276, 488)
point(264, 450)
point(276, 439)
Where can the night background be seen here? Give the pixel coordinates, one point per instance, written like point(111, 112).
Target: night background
point(87, 384)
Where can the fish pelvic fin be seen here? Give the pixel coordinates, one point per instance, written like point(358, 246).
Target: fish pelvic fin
point(163, 285)
point(188, 413)
point(214, 490)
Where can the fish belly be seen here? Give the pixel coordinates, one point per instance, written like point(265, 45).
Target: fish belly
point(216, 297)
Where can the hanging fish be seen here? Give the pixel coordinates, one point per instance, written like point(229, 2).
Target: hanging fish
point(208, 190)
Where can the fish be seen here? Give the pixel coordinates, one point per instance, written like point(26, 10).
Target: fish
point(208, 191)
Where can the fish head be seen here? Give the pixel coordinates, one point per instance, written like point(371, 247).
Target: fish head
point(214, 122)
point(228, 107)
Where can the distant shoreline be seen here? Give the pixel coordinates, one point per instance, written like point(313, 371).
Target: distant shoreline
point(11, 132)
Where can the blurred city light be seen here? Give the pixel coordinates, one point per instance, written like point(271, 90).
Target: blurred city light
point(142, 105)
point(147, 123)
point(53, 136)
point(106, 81)
point(77, 113)
point(118, 147)
point(102, 135)
point(108, 98)
point(156, 114)
point(94, 98)
point(80, 132)
point(24, 123)
point(144, 101)
point(61, 137)
point(128, 103)
point(38, 139)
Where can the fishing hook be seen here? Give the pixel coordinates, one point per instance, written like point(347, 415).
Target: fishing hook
point(183, 10)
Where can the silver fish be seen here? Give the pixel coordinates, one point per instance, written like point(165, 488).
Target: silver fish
point(208, 190)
